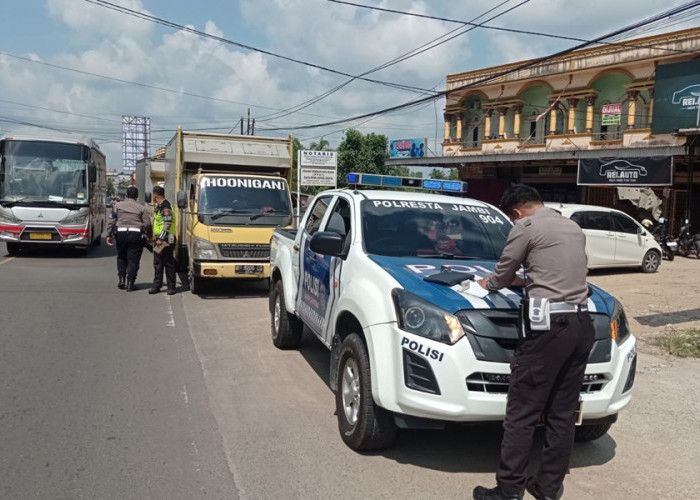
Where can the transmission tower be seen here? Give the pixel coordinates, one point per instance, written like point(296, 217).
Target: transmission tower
point(136, 141)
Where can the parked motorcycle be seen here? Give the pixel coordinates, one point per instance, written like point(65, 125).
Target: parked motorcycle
point(688, 243)
point(666, 242)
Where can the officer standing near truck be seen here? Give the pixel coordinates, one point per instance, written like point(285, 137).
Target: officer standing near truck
point(126, 224)
point(164, 242)
point(556, 338)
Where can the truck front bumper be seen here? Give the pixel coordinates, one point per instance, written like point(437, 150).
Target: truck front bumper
point(238, 270)
point(428, 379)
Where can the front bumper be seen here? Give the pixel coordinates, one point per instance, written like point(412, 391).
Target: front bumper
point(45, 234)
point(428, 379)
point(228, 270)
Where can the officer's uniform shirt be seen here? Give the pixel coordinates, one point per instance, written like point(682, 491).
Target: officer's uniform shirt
point(128, 213)
point(552, 248)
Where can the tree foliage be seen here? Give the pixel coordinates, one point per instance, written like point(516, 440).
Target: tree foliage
point(362, 153)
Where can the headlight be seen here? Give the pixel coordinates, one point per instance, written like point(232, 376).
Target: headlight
point(8, 218)
point(203, 250)
point(76, 218)
point(619, 327)
point(418, 316)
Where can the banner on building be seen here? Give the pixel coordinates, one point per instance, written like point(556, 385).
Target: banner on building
point(643, 171)
point(611, 114)
point(318, 168)
point(408, 148)
point(676, 95)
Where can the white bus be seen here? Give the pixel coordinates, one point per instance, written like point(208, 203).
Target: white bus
point(51, 192)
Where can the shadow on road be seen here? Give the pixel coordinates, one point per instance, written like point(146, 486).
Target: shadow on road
point(226, 288)
point(49, 251)
point(667, 318)
point(459, 447)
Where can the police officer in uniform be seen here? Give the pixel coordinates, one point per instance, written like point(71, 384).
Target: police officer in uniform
point(164, 234)
point(549, 363)
point(127, 224)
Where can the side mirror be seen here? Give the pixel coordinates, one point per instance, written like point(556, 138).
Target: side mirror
point(92, 173)
point(640, 230)
point(147, 197)
point(181, 199)
point(327, 243)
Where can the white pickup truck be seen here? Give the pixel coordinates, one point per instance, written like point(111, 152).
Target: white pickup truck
point(381, 278)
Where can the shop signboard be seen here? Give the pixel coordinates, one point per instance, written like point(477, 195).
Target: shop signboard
point(643, 171)
point(676, 96)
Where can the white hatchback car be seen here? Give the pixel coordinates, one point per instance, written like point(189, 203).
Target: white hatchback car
point(613, 238)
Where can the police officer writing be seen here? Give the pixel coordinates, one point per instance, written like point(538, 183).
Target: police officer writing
point(126, 225)
point(164, 234)
point(556, 338)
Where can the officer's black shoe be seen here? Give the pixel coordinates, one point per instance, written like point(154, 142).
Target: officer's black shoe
point(154, 290)
point(130, 287)
point(122, 283)
point(483, 493)
point(534, 489)
point(171, 291)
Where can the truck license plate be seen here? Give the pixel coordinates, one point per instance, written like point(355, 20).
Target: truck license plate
point(39, 236)
point(249, 269)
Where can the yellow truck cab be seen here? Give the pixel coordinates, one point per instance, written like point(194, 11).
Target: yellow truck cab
point(232, 191)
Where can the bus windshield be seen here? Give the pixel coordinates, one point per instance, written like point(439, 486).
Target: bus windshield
point(36, 171)
point(244, 200)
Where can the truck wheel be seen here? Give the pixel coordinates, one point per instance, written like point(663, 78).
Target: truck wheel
point(362, 424)
point(195, 282)
point(12, 248)
point(286, 328)
point(651, 261)
point(586, 433)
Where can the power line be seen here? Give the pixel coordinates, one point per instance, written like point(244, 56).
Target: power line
point(666, 14)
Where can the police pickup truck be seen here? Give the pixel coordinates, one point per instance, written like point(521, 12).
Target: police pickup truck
point(382, 278)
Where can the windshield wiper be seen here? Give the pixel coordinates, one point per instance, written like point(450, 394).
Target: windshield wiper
point(12, 203)
point(271, 211)
point(224, 212)
point(446, 255)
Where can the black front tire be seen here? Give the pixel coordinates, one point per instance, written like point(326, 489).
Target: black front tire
point(651, 262)
point(286, 329)
point(586, 433)
point(362, 424)
point(195, 282)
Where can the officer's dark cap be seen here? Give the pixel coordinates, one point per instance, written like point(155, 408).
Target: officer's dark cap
point(159, 190)
point(132, 192)
point(518, 195)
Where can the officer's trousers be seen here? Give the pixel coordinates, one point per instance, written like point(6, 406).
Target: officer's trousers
point(546, 376)
point(164, 260)
point(129, 250)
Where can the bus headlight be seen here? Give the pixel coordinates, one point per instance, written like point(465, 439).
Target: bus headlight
point(418, 316)
point(76, 218)
point(203, 250)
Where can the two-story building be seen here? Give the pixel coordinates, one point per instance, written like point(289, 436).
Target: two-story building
point(560, 123)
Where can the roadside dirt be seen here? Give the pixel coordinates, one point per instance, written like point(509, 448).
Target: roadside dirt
point(656, 303)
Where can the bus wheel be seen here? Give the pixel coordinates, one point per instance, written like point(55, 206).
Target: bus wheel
point(12, 248)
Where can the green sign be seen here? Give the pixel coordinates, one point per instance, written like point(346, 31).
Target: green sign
point(676, 96)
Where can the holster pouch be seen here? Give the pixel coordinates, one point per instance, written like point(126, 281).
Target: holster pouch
point(538, 313)
point(523, 319)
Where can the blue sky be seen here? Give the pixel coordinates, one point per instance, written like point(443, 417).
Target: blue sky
point(77, 67)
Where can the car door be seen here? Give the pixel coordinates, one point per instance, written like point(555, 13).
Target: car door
point(600, 238)
point(629, 240)
point(314, 272)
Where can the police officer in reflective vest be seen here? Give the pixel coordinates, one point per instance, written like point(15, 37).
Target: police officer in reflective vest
point(164, 242)
point(556, 338)
point(127, 224)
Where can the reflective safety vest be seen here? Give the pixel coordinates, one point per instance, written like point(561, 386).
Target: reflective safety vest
point(163, 212)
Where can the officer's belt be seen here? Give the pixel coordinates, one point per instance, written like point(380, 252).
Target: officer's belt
point(135, 229)
point(567, 307)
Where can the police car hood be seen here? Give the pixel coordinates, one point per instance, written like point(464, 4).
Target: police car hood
point(410, 272)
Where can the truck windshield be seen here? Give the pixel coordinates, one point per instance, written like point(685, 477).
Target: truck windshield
point(35, 171)
point(244, 200)
point(433, 230)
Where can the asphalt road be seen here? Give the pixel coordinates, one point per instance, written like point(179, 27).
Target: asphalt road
point(109, 394)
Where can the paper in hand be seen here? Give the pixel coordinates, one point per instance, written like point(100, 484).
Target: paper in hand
point(473, 288)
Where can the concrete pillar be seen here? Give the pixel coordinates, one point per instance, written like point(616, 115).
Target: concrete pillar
point(632, 107)
point(518, 109)
point(553, 121)
point(651, 105)
point(459, 127)
point(447, 128)
point(502, 122)
point(487, 124)
point(573, 101)
point(590, 105)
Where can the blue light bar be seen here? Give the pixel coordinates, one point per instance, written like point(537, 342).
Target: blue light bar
point(407, 182)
